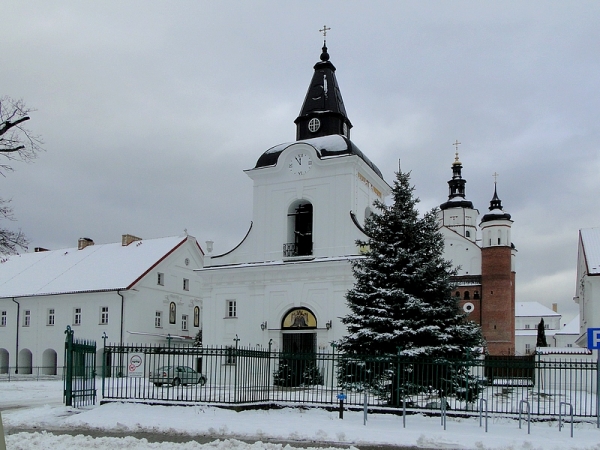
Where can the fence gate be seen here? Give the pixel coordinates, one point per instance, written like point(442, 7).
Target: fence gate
point(80, 371)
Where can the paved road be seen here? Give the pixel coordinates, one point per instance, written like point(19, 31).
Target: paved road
point(201, 439)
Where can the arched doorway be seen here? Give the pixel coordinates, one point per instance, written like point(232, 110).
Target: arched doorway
point(25, 359)
point(299, 331)
point(49, 362)
point(297, 362)
point(3, 360)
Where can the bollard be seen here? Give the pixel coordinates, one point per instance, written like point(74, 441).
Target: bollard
point(2, 441)
point(365, 410)
point(341, 397)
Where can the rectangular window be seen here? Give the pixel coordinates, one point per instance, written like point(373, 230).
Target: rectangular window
point(158, 319)
point(27, 318)
point(103, 315)
point(160, 279)
point(186, 284)
point(547, 326)
point(77, 316)
point(527, 326)
point(50, 317)
point(231, 308)
point(3, 319)
point(527, 349)
point(184, 322)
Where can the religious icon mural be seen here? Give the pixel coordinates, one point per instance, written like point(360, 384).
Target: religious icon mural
point(196, 316)
point(172, 312)
point(299, 318)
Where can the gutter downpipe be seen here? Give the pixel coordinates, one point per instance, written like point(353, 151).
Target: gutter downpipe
point(122, 311)
point(17, 337)
point(121, 365)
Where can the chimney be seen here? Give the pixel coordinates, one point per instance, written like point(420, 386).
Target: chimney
point(40, 249)
point(555, 307)
point(83, 243)
point(127, 239)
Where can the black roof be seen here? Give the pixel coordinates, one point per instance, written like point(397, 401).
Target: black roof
point(326, 147)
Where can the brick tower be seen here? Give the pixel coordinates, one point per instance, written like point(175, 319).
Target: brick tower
point(497, 280)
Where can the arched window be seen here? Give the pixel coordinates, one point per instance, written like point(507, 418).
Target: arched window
point(476, 295)
point(196, 316)
point(300, 223)
point(457, 294)
point(467, 296)
point(467, 233)
point(172, 312)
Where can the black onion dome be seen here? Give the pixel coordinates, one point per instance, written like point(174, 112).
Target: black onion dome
point(456, 186)
point(496, 212)
point(325, 147)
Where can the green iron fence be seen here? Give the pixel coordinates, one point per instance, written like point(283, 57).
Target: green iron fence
point(230, 375)
point(79, 371)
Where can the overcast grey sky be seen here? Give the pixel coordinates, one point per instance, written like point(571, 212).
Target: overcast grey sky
point(151, 110)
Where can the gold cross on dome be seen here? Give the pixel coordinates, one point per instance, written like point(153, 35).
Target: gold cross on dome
point(495, 175)
point(456, 144)
point(324, 30)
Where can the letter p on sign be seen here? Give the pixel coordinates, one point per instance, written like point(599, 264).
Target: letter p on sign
point(593, 338)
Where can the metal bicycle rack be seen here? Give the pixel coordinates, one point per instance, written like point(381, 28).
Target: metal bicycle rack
point(528, 415)
point(481, 402)
point(560, 417)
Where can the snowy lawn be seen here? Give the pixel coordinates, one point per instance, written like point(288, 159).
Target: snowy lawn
point(305, 426)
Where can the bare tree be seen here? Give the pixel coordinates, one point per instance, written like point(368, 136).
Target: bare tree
point(17, 143)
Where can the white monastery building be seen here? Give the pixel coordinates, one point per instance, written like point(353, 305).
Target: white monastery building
point(134, 291)
point(587, 290)
point(283, 286)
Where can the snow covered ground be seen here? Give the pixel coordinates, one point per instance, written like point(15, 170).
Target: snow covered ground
point(37, 407)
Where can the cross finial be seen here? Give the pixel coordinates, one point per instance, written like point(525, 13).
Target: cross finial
point(495, 175)
point(456, 144)
point(324, 30)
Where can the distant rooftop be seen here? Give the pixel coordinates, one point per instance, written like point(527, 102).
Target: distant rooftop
point(102, 267)
point(590, 238)
point(534, 309)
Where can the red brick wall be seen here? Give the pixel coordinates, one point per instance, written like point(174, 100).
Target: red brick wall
point(498, 300)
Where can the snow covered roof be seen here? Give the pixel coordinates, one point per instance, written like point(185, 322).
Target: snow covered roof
point(571, 328)
point(563, 351)
point(330, 146)
point(533, 309)
point(590, 239)
point(94, 268)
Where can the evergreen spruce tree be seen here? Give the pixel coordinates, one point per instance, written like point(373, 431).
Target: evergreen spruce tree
point(401, 302)
point(402, 311)
point(541, 335)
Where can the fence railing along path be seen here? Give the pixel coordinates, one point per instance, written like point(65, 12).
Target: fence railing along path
point(235, 376)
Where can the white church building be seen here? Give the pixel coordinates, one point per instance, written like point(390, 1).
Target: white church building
point(285, 283)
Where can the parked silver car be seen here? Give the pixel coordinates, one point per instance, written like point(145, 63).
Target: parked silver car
point(176, 375)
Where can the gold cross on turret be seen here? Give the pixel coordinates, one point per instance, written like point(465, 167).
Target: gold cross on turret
point(324, 30)
point(495, 175)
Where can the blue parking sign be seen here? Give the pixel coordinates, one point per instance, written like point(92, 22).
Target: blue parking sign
point(593, 335)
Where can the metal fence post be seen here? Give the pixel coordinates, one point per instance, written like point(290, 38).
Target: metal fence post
point(68, 393)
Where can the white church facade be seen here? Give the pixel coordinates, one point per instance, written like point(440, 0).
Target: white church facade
point(285, 283)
